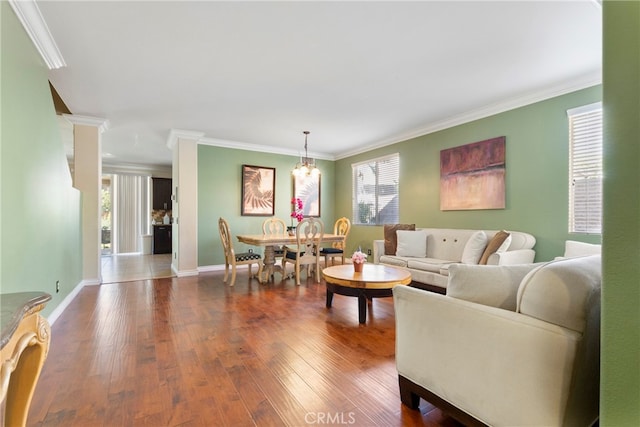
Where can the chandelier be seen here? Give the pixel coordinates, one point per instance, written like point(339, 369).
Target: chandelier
point(306, 166)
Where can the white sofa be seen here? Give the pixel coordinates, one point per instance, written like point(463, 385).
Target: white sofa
point(573, 249)
point(447, 246)
point(505, 351)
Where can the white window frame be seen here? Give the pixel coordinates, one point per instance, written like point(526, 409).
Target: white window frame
point(378, 193)
point(585, 169)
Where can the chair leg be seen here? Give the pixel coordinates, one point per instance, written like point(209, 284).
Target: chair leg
point(297, 274)
point(407, 393)
point(317, 270)
point(233, 275)
point(226, 272)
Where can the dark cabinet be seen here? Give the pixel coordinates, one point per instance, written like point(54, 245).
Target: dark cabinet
point(162, 239)
point(162, 194)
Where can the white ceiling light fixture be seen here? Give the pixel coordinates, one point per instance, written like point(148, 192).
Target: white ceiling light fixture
point(306, 166)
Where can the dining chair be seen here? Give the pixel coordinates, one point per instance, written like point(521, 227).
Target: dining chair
point(234, 259)
point(309, 234)
point(342, 228)
point(275, 227)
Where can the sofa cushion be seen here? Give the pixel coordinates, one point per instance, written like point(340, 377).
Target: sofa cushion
point(560, 291)
point(393, 260)
point(492, 285)
point(427, 264)
point(474, 247)
point(390, 238)
point(496, 244)
point(411, 243)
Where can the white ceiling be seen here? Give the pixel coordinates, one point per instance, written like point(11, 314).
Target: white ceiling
point(356, 74)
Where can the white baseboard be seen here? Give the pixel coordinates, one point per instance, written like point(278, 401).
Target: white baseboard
point(218, 267)
point(66, 301)
point(184, 273)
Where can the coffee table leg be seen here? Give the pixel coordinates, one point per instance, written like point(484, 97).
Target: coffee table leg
point(362, 309)
point(329, 298)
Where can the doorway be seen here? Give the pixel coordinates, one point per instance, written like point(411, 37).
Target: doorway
point(125, 229)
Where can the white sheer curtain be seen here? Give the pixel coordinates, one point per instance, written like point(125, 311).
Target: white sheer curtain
point(131, 212)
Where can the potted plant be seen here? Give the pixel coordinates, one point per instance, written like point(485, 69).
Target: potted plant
point(358, 258)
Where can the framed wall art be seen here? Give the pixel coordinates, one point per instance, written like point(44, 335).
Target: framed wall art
point(472, 176)
point(258, 190)
point(307, 189)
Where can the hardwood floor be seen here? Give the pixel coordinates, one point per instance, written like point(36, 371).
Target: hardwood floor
point(193, 351)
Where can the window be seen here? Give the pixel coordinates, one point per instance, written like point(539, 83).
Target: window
point(375, 191)
point(585, 169)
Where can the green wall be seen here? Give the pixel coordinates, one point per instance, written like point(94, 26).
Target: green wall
point(620, 374)
point(536, 179)
point(219, 194)
point(40, 211)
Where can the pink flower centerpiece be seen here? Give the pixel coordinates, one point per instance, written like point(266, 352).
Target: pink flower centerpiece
point(296, 213)
point(358, 258)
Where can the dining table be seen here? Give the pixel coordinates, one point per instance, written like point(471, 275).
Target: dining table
point(271, 241)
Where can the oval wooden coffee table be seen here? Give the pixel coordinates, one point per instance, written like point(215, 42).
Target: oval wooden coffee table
point(374, 281)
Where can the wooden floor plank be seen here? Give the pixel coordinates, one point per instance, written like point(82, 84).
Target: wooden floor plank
point(193, 351)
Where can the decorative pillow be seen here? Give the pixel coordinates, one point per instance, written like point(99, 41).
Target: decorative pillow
point(474, 247)
point(390, 239)
point(494, 245)
point(492, 285)
point(412, 243)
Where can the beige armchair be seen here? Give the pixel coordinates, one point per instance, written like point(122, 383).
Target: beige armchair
point(309, 234)
point(232, 259)
point(507, 346)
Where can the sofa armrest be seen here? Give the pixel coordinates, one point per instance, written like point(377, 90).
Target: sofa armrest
point(519, 256)
point(484, 360)
point(378, 250)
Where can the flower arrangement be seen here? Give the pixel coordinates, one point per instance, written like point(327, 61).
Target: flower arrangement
point(358, 257)
point(297, 210)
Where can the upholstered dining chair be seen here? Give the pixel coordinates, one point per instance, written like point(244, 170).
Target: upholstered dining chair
point(234, 259)
point(309, 234)
point(272, 227)
point(342, 228)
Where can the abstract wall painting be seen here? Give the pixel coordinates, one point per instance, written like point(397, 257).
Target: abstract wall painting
point(472, 176)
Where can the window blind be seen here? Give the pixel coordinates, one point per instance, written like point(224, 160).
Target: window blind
point(585, 169)
point(375, 191)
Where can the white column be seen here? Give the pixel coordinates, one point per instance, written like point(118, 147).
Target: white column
point(87, 165)
point(184, 145)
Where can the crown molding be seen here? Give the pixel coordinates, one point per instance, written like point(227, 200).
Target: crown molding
point(260, 148)
point(586, 81)
point(163, 171)
point(176, 134)
point(34, 24)
point(101, 124)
